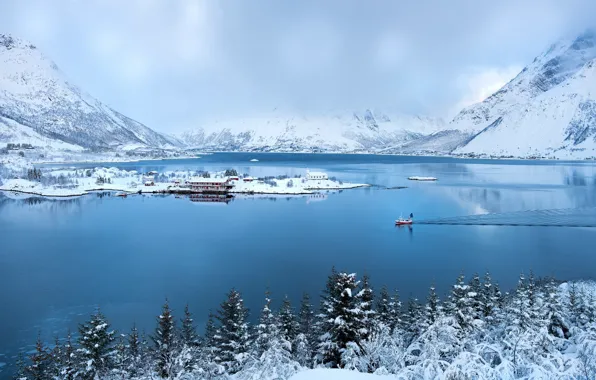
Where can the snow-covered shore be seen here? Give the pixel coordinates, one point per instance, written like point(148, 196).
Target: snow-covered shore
point(76, 182)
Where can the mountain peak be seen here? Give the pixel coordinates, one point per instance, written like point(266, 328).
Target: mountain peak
point(8, 42)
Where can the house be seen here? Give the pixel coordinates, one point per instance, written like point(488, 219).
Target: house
point(248, 179)
point(316, 176)
point(153, 172)
point(210, 185)
point(149, 183)
point(234, 178)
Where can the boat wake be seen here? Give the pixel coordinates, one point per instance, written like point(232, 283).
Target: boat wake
point(571, 217)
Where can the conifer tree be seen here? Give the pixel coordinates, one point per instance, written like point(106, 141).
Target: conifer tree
point(120, 358)
point(266, 329)
point(233, 338)
point(460, 303)
point(396, 312)
point(39, 369)
point(365, 299)
point(56, 356)
point(488, 297)
point(95, 346)
point(326, 350)
point(553, 315)
point(384, 311)
point(413, 320)
point(289, 326)
point(68, 364)
point(209, 340)
point(135, 354)
point(188, 332)
point(433, 308)
point(342, 317)
point(519, 306)
point(21, 368)
point(305, 341)
point(475, 296)
point(164, 342)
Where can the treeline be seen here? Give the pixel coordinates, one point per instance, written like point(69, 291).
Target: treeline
point(540, 330)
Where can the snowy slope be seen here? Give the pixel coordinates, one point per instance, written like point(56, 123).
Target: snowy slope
point(36, 100)
point(547, 109)
point(339, 132)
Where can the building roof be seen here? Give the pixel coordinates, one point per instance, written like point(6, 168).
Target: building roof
point(207, 180)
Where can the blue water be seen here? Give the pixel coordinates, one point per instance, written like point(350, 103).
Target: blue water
point(59, 258)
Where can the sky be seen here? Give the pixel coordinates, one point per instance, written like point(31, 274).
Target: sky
point(177, 64)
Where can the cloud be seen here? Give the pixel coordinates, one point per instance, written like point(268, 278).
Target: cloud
point(478, 84)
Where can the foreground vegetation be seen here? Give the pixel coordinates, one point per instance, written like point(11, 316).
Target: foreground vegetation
point(542, 329)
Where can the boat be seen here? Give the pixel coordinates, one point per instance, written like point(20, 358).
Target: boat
point(254, 160)
point(401, 221)
point(123, 195)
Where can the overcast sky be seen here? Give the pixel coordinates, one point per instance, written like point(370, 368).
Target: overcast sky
point(174, 64)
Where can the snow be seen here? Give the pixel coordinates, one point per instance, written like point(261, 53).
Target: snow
point(417, 178)
point(133, 182)
point(337, 374)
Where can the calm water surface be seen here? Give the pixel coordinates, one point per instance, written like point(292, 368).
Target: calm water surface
point(59, 258)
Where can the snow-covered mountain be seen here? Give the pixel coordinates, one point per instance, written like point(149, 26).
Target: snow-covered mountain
point(38, 105)
point(549, 108)
point(334, 132)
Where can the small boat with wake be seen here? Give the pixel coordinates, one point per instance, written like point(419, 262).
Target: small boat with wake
point(402, 222)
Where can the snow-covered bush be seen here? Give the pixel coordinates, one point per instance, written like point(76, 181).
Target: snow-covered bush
point(290, 183)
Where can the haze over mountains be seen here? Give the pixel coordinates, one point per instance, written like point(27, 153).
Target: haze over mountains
point(548, 109)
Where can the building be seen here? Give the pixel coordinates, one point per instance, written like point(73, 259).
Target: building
point(247, 179)
point(210, 185)
point(316, 176)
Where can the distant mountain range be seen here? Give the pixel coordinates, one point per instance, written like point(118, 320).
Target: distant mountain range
point(548, 109)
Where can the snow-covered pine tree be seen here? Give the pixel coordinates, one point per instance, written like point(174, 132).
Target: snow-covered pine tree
point(305, 341)
point(288, 325)
point(39, 369)
point(95, 346)
point(21, 368)
point(165, 348)
point(432, 310)
point(68, 363)
point(413, 320)
point(384, 311)
point(475, 295)
point(209, 342)
point(188, 332)
point(519, 305)
point(488, 297)
point(56, 355)
point(460, 303)
point(396, 312)
point(120, 358)
point(326, 349)
point(233, 338)
point(345, 320)
point(365, 302)
point(134, 353)
point(266, 328)
point(553, 311)
point(535, 302)
point(189, 341)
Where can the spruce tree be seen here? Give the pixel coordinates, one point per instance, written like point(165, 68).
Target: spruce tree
point(384, 310)
point(553, 311)
point(134, 352)
point(326, 350)
point(519, 306)
point(120, 358)
point(306, 339)
point(488, 297)
point(95, 346)
point(233, 338)
point(396, 312)
point(39, 369)
point(413, 320)
point(460, 303)
point(164, 342)
point(475, 296)
point(288, 326)
point(266, 328)
point(342, 316)
point(56, 356)
point(68, 368)
point(21, 368)
point(433, 308)
point(188, 332)
point(209, 342)
point(365, 300)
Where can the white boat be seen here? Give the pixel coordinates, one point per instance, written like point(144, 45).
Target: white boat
point(254, 160)
point(417, 178)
